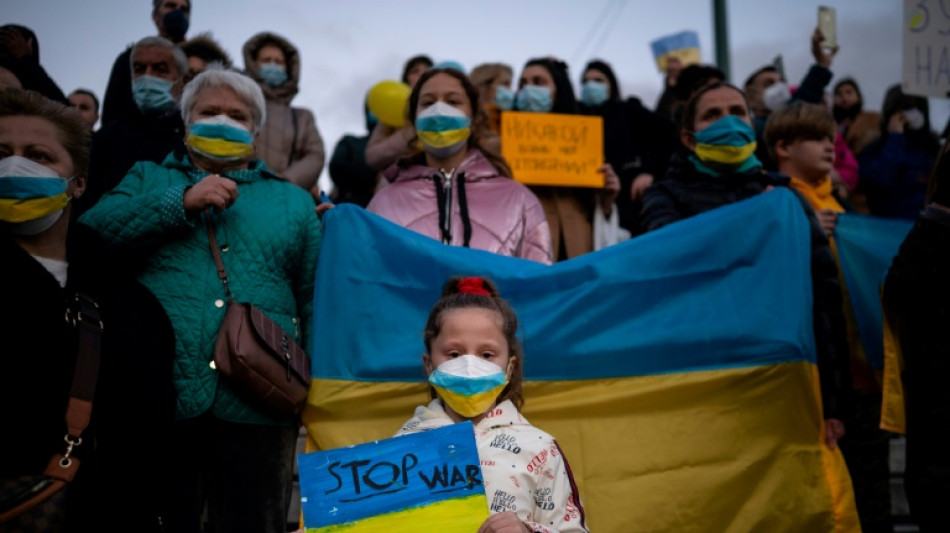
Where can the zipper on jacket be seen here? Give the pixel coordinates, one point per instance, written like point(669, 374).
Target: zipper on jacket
point(446, 206)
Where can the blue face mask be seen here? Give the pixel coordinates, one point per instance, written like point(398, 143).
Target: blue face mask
point(273, 74)
point(152, 94)
point(504, 98)
point(593, 93)
point(534, 98)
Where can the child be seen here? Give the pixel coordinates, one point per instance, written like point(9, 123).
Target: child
point(471, 345)
point(801, 141)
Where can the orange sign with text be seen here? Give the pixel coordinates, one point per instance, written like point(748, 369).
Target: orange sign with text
point(552, 149)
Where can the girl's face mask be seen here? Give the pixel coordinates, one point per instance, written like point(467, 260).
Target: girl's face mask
point(32, 196)
point(443, 130)
point(536, 98)
point(468, 384)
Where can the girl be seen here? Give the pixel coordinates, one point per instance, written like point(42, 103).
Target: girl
point(471, 344)
point(455, 189)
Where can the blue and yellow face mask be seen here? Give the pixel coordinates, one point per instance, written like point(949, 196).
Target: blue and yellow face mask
point(443, 130)
point(221, 138)
point(726, 145)
point(468, 384)
point(32, 196)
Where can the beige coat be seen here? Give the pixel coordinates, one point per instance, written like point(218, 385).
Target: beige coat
point(289, 142)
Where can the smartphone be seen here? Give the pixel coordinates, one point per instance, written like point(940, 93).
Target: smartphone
point(324, 199)
point(827, 26)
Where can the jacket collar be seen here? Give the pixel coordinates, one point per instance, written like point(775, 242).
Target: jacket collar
point(257, 170)
point(475, 166)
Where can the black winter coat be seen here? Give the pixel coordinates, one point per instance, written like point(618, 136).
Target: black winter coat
point(687, 192)
point(122, 479)
point(636, 141)
point(122, 143)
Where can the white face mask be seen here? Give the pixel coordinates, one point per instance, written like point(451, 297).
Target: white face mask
point(914, 118)
point(776, 96)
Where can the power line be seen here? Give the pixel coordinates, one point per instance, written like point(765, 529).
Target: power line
point(598, 22)
point(610, 28)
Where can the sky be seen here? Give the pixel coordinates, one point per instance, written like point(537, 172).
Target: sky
point(347, 46)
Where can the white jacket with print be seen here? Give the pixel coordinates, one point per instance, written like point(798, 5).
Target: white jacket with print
point(523, 468)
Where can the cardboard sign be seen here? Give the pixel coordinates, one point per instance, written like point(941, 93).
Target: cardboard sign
point(683, 45)
point(926, 48)
point(552, 149)
point(428, 481)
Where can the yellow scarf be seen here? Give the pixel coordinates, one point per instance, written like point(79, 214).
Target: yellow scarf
point(820, 197)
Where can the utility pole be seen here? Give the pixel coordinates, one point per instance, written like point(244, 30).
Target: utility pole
point(721, 29)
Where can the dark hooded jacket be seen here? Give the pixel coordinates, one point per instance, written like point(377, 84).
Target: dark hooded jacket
point(27, 69)
point(289, 142)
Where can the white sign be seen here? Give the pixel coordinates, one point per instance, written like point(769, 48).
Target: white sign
point(926, 29)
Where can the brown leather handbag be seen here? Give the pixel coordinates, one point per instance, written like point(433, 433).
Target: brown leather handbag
point(37, 503)
point(265, 366)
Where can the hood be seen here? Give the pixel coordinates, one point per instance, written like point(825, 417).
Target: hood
point(681, 168)
point(286, 92)
point(27, 34)
point(475, 166)
point(433, 416)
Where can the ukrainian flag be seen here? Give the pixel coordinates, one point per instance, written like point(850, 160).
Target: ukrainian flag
point(866, 247)
point(683, 45)
point(677, 370)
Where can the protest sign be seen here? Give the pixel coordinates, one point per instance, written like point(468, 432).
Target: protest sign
point(926, 48)
point(430, 479)
point(553, 149)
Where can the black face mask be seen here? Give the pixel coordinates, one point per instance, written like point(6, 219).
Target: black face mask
point(175, 24)
point(841, 113)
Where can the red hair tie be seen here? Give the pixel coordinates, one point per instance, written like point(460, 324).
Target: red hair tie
point(473, 285)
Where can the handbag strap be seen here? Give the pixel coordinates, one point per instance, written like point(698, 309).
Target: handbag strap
point(222, 273)
point(84, 314)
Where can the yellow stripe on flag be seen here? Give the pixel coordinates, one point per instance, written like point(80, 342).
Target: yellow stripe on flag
point(458, 515)
point(675, 452)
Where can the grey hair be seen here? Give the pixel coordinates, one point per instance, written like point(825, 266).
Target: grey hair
point(181, 61)
point(246, 89)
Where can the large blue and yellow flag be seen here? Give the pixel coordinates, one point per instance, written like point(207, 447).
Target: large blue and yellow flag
point(866, 247)
point(677, 370)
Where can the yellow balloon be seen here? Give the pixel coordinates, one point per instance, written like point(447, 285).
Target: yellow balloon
point(387, 100)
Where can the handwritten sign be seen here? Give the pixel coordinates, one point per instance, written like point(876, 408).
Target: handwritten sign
point(927, 48)
point(552, 149)
point(683, 45)
point(428, 481)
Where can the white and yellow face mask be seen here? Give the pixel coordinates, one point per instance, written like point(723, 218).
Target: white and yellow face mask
point(220, 137)
point(468, 384)
point(32, 196)
point(443, 130)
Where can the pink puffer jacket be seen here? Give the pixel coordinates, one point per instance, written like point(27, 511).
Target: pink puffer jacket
point(504, 216)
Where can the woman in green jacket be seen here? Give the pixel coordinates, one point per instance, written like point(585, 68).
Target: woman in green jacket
point(226, 451)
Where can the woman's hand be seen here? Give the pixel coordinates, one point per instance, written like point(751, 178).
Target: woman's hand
point(611, 188)
point(640, 185)
point(828, 218)
point(896, 123)
point(822, 55)
point(834, 430)
point(507, 522)
point(212, 191)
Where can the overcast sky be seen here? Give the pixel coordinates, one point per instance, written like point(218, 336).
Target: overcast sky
point(347, 46)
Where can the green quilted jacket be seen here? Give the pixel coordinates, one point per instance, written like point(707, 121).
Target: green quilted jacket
point(269, 241)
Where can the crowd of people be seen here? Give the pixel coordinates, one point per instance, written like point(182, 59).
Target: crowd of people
point(189, 144)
